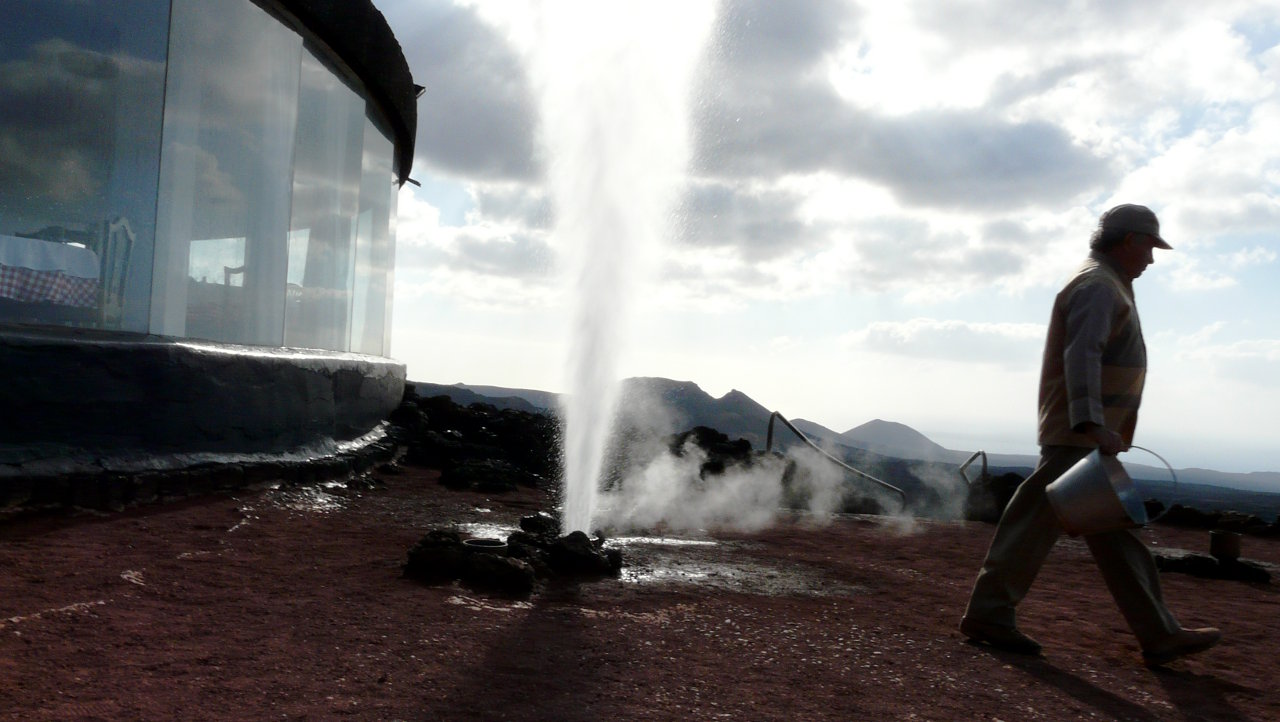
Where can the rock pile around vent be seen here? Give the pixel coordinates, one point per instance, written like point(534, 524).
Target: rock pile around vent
point(535, 554)
point(478, 447)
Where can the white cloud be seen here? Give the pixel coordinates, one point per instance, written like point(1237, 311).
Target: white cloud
point(1208, 271)
point(1188, 274)
point(1202, 336)
point(477, 117)
point(1253, 362)
point(782, 343)
point(1016, 105)
point(1248, 257)
point(916, 158)
point(482, 264)
point(1005, 344)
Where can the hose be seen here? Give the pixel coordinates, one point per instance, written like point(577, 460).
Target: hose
point(768, 447)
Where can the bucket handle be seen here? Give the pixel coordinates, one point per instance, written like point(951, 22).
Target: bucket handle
point(1172, 473)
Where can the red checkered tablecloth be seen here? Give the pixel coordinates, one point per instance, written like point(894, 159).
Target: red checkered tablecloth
point(29, 286)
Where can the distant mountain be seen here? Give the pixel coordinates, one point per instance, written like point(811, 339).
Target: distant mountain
point(815, 431)
point(1254, 480)
point(464, 396)
point(893, 439)
point(546, 400)
point(668, 406)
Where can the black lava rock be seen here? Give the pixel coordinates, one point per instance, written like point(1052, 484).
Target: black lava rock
point(437, 557)
point(1183, 516)
point(514, 568)
point(498, 573)
point(541, 525)
point(439, 433)
point(486, 475)
point(1203, 565)
point(576, 554)
point(720, 451)
point(989, 495)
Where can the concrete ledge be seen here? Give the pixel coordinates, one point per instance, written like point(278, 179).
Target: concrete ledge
point(114, 483)
point(77, 393)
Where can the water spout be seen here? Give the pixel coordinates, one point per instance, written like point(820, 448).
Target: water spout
point(613, 82)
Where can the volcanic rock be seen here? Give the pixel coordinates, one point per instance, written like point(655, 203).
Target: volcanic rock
point(541, 525)
point(498, 573)
point(1203, 565)
point(721, 453)
point(989, 495)
point(577, 554)
point(1179, 515)
point(442, 556)
point(439, 433)
point(437, 557)
point(532, 549)
point(486, 475)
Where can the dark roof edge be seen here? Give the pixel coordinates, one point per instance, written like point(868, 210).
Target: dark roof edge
point(358, 33)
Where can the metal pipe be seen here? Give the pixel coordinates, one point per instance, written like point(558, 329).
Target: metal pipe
point(965, 466)
point(902, 496)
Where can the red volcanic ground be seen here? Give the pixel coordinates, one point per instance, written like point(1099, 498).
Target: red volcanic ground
point(290, 604)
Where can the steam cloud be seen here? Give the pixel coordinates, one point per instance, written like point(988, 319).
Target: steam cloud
point(670, 491)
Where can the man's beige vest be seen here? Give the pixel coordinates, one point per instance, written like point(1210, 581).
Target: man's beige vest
point(1095, 361)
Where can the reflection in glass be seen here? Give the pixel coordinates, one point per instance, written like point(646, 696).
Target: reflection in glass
point(215, 286)
point(210, 259)
point(298, 241)
point(370, 324)
point(81, 89)
point(229, 120)
point(362, 291)
point(327, 162)
point(189, 169)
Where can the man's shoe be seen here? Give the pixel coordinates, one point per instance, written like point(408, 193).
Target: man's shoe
point(1007, 638)
point(1180, 644)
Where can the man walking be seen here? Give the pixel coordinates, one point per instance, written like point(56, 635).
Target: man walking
point(1090, 387)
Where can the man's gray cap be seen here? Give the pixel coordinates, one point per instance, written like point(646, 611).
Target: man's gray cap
point(1135, 219)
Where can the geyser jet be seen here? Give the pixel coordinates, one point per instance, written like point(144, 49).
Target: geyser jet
point(613, 81)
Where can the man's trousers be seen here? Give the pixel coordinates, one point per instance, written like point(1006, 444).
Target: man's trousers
point(1027, 531)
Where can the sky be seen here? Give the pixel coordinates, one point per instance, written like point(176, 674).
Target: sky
point(870, 208)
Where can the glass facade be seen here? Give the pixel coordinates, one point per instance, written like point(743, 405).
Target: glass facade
point(198, 171)
point(231, 109)
point(326, 197)
point(81, 101)
point(375, 247)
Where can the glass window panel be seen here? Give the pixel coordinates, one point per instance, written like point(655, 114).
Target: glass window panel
point(81, 93)
point(223, 221)
point(326, 194)
point(374, 248)
point(362, 291)
point(298, 241)
point(390, 263)
point(210, 258)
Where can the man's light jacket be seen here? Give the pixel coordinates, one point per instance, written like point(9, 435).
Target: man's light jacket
point(1095, 361)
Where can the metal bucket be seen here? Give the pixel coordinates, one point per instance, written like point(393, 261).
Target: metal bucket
point(496, 546)
point(1097, 495)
